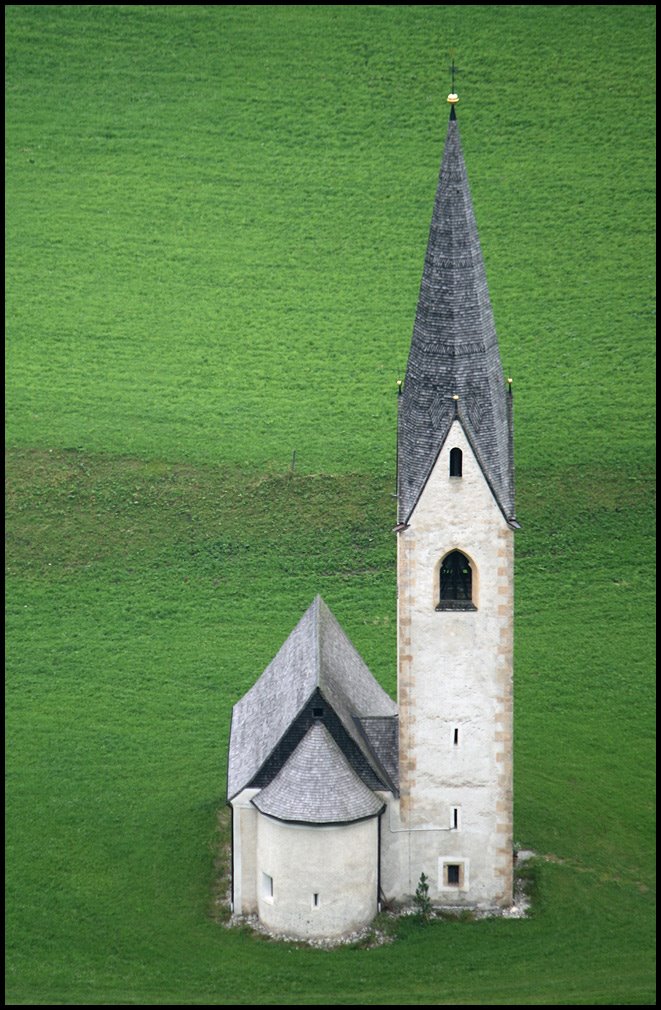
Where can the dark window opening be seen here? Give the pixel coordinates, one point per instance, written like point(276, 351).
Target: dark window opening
point(315, 900)
point(317, 713)
point(456, 460)
point(453, 874)
point(456, 583)
point(455, 817)
point(456, 736)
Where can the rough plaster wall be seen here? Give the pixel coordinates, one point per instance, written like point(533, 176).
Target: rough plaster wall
point(338, 863)
point(244, 852)
point(394, 850)
point(455, 671)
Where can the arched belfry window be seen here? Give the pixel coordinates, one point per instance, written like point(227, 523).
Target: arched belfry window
point(456, 583)
point(456, 462)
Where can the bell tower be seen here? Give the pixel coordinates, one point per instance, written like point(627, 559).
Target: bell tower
point(455, 532)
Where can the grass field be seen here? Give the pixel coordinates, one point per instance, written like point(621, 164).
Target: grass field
point(216, 223)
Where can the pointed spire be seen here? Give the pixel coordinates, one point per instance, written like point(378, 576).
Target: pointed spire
point(454, 350)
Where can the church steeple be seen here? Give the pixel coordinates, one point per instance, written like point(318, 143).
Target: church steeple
point(455, 568)
point(454, 369)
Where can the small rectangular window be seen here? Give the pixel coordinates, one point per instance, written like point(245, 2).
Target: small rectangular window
point(267, 887)
point(455, 818)
point(315, 900)
point(453, 874)
point(456, 736)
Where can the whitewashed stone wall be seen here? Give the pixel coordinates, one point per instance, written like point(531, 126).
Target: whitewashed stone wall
point(244, 853)
point(455, 674)
point(337, 863)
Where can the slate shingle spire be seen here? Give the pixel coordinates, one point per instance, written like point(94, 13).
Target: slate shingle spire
point(454, 368)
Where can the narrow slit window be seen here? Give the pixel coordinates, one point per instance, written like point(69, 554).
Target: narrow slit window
point(455, 818)
point(315, 900)
point(456, 462)
point(455, 738)
point(267, 886)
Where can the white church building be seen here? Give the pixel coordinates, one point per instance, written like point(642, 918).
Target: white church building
point(340, 797)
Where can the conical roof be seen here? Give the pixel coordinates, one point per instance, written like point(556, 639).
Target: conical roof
point(317, 785)
point(454, 368)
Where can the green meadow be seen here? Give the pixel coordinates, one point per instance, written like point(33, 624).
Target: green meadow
point(216, 220)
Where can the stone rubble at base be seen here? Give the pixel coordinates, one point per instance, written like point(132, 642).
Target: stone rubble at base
point(370, 936)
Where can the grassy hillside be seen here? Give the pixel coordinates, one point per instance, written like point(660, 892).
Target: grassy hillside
point(216, 222)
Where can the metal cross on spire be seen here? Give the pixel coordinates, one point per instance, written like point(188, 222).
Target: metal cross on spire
point(453, 69)
point(453, 97)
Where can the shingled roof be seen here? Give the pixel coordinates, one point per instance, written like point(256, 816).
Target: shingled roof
point(317, 657)
point(454, 351)
point(317, 785)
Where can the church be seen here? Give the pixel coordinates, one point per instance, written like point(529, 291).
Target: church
point(340, 797)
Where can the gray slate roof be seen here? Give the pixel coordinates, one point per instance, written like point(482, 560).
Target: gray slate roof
point(317, 654)
point(382, 735)
point(317, 785)
point(454, 350)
